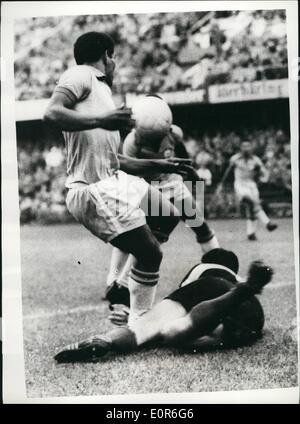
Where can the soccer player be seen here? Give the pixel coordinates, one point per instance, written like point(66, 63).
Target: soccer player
point(248, 168)
point(101, 196)
point(139, 145)
point(212, 309)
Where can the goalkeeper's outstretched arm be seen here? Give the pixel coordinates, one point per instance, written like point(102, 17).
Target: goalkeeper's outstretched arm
point(145, 166)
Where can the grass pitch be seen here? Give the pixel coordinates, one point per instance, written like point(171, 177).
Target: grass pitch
point(63, 280)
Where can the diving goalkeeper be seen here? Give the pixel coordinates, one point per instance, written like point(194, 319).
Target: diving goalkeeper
point(212, 309)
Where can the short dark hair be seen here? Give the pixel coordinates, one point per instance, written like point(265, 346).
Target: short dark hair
point(221, 257)
point(91, 46)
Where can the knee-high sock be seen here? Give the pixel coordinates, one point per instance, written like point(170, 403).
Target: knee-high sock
point(210, 244)
point(124, 275)
point(251, 226)
point(206, 316)
point(262, 216)
point(142, 288)
point(117, 262)
point(206, 237)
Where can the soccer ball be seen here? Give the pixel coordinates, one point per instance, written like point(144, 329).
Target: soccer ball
point(153, 117)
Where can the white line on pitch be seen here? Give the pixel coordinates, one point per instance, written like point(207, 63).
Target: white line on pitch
point(61, 312)
point(93, 308)
point(281, 285)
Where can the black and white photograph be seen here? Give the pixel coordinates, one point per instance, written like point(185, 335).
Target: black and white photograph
point(150, 184)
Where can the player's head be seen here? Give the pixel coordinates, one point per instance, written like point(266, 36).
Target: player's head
point(246, 148)
point(223, 257)
point(175, 129)
point(93, 47)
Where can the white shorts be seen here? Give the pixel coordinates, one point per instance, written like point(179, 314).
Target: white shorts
point(111, 206)
point(247, 190)
point(173, 187)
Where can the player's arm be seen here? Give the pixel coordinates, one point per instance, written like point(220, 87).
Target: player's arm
point(190, 174)
point(149, 154)
point(130, 164)
point(144, 166)
point(61, 113)
point(262, 172)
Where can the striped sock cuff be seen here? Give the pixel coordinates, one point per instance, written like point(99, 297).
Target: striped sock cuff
point(142, 277)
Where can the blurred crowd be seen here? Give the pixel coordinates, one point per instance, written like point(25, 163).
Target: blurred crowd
point(156, 52)
point(41, 183)
point(42, 169)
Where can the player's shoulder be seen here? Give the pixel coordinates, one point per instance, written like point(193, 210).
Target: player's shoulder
point(256, 159)
point(177, 131)
point(131, 137)
point(81, 72)
point(235, 157)
point(130, 146)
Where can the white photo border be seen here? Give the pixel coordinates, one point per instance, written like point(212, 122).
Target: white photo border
point(14, 390)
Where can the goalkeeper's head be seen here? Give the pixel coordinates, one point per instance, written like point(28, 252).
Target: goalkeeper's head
point(223, 257)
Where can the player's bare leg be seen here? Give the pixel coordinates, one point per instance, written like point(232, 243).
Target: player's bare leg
point(145, 249)
point(160, 209)
point(124, 339)
point(148, 327)
point(144, 276)
point(160, 228)
point(117, 262)
point(117, 285)
point(251, 222)
point(265, 220)
point(254, 213)
point(251, 229)
point(260, 214)
point(123, 275)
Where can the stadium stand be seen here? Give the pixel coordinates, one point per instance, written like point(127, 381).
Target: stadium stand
point(157, 52)
point(168, 53)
